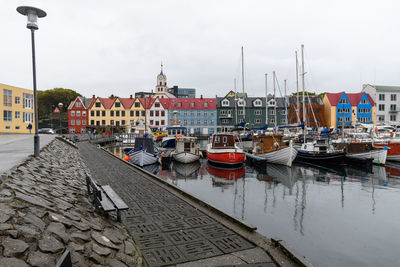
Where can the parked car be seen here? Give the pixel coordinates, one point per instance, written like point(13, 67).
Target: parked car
point(46, 131)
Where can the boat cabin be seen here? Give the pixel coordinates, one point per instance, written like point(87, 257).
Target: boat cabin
point(223, 140)
point(175, 130)
point(187, 144)
point(144, 143)
point(265, 143)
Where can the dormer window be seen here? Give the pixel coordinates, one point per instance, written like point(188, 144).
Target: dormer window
point(241, 103)
point(205, 104)
point(272, 103)
point(117, 104)
point(257, 103)
point(157, 104)
point(192, 104)
point(225, 103)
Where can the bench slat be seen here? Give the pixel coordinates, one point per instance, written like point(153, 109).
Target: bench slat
point(114, 198)
point(106, 203)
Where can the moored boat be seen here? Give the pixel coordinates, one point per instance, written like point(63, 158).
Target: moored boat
point(187, 149)
point(320, 151)
point(269, 147)
point(222, 150)
point(393, 153)
point(144, 152)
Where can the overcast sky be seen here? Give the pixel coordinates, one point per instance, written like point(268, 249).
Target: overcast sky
point(116, 47)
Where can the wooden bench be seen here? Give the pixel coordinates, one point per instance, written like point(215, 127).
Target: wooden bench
point(105, 198)
point(65, 260)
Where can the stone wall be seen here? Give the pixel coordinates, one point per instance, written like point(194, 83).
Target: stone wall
point(45, 209)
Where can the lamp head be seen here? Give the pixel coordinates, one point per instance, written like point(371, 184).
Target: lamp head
point(60, 105)
point(32, 14)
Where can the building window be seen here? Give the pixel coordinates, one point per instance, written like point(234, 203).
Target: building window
point(272, 112)
point(185, 113)
point(27, 117)
point(157, 104)
point(7, 115)
point(83, 122)
point(392, 117)
point(157, 113)
point(225, 103)
point(257, 103)
point(257, 121)
point(131, 113)
point(97, 123)
point(162, 122)
point(103, 122)
point(179, 104)
point(205, 122)
point(205, 113)
point(211, 114)
point(78, 113)
point(78, 104)
point(7, 98)
point(241, 112)
point(103, 113)
point(98, 104)
point(162, 113)
point(143, 113)
point(151, 113)
point(192, 104)
point(343, 101)
point(284, 121)
point(17, 114)
point(365, 101)
point(123, 122)
point(17, 127)
point(92, 113)
point(191, 122)
point(151, 122)
point(27, 101)
point(381, 97)
point(283, 112)
point(137, 105)
point(157, 123)
point(123, 113)
point(381, 107)
point(381, 117)
point(257, 112)
point(117, 104)
point(72, 113)
point(317, 110)
point(112, 113)
point(198, 113)
point(117, 113)
point(137, 113)
point(98, 113)
point(112, 122)
point(72, 122)
point(83, 113)
point(225, 121)
point(240, 103)
point(205, 104)
point(91, 122)
point(184, 122)
point(393, 107)
point(198, 122)
point(17, 100)
point(272, 120)
point(78, 122)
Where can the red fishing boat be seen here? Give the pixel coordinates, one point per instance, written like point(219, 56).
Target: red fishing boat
point(393, 152)
point(222, 150)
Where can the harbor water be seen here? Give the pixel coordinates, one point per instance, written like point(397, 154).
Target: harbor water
point(333, 216)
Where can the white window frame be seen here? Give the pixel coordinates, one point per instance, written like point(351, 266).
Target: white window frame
point(225, 103)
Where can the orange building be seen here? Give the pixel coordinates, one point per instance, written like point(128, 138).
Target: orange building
point(314, 111)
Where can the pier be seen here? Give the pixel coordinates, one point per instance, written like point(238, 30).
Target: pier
point(173, 227)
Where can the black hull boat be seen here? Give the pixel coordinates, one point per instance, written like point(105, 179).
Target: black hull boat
point(321, 158)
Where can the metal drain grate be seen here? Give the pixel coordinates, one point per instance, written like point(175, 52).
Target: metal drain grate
point(142, 228)
point(163, 256)
point(190, 212)
point(154, 209)
point(184, 236)
point(199, 250)
point(231, 243)
point(167, 226)
point(153, 240)
point(214, 231)
point(199, 221)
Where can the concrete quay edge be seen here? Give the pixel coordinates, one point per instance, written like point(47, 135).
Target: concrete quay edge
point(280, 252)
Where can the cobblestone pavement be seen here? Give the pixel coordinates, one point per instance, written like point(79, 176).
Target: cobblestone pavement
point(167, 229)
point(45, 209)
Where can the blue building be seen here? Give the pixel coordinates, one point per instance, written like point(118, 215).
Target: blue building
point(198, 115)
point(182, 92)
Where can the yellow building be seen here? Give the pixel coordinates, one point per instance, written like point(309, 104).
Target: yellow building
point(16, 109)
point(115, 113)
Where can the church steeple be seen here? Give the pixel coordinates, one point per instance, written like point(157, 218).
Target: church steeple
point(161, 86)
point(161, 69)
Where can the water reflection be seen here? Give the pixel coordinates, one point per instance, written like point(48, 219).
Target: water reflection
point(325, 213)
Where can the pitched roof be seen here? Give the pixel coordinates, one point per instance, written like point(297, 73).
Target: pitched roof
point(86, 102)
point(334, 98)
point(127, 102)
point(185, 103)
point(107, 102)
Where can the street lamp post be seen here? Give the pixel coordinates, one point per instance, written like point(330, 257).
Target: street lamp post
point(60, 105)
point(32, 14)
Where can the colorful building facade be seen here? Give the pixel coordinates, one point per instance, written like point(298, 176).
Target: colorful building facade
point(315, 111)
point(78, 117)
point(198, 115)
point(16, 109)
point(345, 110)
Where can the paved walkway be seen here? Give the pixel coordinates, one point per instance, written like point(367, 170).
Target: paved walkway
point(15, 148)
point(167, 229)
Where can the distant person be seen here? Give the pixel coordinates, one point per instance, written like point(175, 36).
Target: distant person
point(29, 127)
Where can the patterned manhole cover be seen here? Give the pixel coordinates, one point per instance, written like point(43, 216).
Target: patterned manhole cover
point(199, 221)
point(214, 231)
point(172, 225)
point(153, 240)
point(163, 256)
point(163, 216)
point(184, 236)
point(142, 228)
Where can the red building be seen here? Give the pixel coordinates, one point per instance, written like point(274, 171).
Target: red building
point(78, 115)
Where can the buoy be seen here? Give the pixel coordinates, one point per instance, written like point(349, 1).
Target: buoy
point(127, 158)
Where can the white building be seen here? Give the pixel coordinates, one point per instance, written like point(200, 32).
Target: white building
point(161, 86)
point(157, 112)
point(387, 100)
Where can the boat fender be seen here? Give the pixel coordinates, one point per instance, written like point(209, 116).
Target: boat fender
point(276, 145)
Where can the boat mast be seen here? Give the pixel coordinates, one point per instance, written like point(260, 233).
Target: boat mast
point(244, 104)
point(266, 100)
point(297, 87)
point(302, 81)
point(273, 74)
point(285, 103)
point(234, 84)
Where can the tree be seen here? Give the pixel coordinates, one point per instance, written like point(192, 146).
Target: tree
point(49, 99)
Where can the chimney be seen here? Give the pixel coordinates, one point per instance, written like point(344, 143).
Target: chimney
point(93, 96)
point(131, 97)
point(201, 96)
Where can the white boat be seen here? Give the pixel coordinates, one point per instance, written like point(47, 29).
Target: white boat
point(378, 155)
point(187, 149)
point(144, 152)
point(271, 149)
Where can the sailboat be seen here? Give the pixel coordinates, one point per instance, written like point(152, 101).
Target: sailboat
point(320, 150)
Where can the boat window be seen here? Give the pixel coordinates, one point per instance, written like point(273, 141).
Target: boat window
point(217, 139)
point(305, 146)
point(224, 139)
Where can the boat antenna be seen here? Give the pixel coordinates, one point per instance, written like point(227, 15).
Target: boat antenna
point(266, 100)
